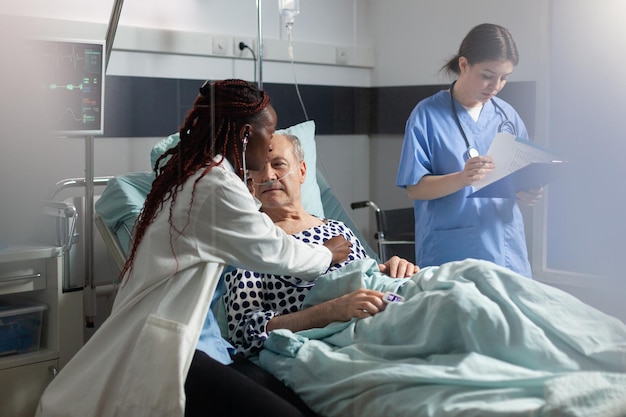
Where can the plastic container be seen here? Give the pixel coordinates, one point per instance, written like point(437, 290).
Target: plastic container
point(289, 9)
point(20, 326)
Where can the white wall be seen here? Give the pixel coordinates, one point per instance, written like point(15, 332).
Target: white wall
point(413, 39)
point(185, 27)
point(320, 21)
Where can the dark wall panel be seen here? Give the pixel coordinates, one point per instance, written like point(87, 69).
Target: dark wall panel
point(137, 106)
point(393, 105)
point(146, 107)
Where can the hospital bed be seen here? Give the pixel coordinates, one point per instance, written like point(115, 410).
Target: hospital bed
point(367, 378)
point(117, 210)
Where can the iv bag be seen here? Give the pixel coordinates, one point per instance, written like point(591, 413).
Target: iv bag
point(289, 9)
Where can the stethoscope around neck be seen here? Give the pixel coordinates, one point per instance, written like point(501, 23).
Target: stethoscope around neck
point(472, 152)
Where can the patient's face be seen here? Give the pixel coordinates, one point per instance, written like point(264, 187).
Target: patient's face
point(278, 184)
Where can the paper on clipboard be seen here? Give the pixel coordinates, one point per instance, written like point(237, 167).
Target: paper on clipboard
point(511, 154)
point(533, 175)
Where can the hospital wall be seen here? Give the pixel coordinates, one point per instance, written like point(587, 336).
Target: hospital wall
point(585, 231)
point(396, 48)
point(157, 39)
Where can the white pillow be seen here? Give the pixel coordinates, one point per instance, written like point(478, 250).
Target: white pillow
point(311, 196)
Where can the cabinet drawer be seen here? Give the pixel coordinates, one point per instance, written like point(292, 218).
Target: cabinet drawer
point(22, 386)
point(21, 276)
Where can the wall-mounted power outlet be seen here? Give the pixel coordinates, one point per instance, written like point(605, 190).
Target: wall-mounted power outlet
point(244, 52)
point(222, 45)
point(342, 56)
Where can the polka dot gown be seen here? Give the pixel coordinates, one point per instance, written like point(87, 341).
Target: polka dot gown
point(252, 299)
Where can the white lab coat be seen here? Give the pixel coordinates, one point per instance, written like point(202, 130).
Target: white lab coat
point(136, 363)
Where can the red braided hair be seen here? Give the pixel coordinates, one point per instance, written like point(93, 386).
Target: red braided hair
point(211, 127)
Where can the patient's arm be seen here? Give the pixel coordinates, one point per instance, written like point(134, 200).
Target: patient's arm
point(256, 305)
point(361, 303)
point(358, 304)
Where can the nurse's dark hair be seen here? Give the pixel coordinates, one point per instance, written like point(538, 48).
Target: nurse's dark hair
point(212, 127)
point(485, 42)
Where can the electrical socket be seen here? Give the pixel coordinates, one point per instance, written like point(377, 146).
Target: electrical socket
point(243, 53)
point(342, 56)
point(222, 45)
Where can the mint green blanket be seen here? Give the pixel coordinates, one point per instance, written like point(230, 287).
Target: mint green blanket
point(470, 339)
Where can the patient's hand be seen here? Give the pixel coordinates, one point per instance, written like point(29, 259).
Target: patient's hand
point(397, 267)
point(361, 304)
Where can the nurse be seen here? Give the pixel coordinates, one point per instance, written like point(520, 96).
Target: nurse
point(198, 217)
point(446, 139)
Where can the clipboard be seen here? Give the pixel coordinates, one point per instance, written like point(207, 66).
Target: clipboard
point(533, 175)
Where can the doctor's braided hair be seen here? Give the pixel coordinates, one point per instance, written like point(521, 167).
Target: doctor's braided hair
point(212, 127)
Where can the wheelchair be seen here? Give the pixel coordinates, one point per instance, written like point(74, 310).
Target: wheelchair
point(395, 232)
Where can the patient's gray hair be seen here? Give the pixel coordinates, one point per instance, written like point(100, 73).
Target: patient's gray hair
point(297, 146)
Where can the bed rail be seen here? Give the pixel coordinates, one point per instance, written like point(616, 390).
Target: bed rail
point(89, 286)
point(77, 182)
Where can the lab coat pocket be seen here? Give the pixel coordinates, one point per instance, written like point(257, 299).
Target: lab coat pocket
point(153, 384)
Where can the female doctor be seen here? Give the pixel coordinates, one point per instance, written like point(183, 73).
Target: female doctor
point(445, 142)
point(198, 217)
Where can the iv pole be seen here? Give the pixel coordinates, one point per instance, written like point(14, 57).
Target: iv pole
point(112, 28)
point(90, 285)
point(260, 43)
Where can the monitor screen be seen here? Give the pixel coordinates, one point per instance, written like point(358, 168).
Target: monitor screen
point(72, 83)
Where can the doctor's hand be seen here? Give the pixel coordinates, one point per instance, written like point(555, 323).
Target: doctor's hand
point(530, 197)
point(340, 248)
point(476, 168)
point(397, 267)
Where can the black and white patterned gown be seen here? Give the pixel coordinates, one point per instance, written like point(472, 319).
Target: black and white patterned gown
point(253, 299)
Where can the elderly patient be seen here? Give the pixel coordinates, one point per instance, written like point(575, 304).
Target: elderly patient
point(286, 157)
point(259, 303)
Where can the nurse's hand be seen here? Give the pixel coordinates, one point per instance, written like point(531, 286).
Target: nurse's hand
point(340, 248)
point(476, 168)
point(530, 197)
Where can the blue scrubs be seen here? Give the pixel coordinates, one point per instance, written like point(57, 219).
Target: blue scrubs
point(454, 227)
